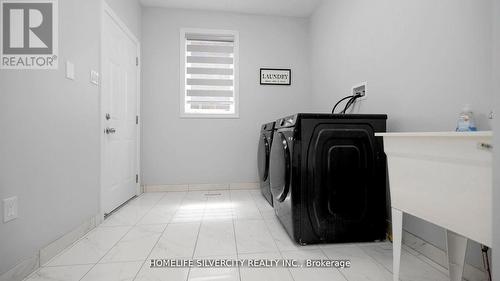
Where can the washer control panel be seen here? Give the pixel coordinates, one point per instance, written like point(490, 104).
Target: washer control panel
point(288, 121)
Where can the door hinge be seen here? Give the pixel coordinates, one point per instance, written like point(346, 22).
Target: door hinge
point(136, 178)
point(136, 61)
point(137, 119)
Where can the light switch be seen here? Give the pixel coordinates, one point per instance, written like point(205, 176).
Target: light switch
point(70, 70)
point(94, 77)
point(10, 209)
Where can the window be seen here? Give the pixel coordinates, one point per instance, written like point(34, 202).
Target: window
point(209, 73)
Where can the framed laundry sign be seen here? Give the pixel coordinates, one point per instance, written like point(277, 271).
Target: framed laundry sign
point(275, 76)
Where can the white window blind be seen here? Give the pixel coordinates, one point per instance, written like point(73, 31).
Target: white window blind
point(209, 74)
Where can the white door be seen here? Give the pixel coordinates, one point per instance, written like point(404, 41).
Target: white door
point(119, 111)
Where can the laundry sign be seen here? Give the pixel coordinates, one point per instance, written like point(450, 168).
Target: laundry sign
point(274, 76)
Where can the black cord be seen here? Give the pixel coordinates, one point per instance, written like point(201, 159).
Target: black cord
point(337, 104)
point(350, 103)
point(486, 261)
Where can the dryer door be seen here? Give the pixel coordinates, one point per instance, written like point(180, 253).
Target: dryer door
point(263, 158)
point(341, 179)
point(280, 167)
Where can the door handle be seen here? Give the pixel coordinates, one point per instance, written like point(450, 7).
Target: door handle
point(110, 131)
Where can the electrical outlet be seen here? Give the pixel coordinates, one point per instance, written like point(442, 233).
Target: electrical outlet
point(360, 89)
point(10, 209)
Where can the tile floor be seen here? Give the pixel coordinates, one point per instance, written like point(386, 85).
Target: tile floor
point(216, 224)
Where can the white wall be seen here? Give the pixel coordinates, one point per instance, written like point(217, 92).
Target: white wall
point(496, 183)
point(179, 151)
point(49, 140)
point(130, 12)
point(423, 60)
point(50, 135)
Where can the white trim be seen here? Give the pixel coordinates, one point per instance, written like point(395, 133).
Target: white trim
point(117, 19)
point(244, 185)
point(29, 266)
point(182, 70)
point(208, 187)
point(60, 244)
point(201, 187)
point(107, 11)
point(209, 116)
point(443, 134)
point(166, 188)
point(23, 269)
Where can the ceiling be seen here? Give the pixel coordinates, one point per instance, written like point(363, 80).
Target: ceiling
point(296, 8)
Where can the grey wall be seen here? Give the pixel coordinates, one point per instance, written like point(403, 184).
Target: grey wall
point(423, 61)
point(176, 150)
point(496, 183)
point(49, 140)
point(130, 12)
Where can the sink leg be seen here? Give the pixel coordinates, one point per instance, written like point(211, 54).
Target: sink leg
point(397, 239)
point(457, 247)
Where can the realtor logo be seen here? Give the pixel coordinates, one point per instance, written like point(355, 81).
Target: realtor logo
point(29, 34)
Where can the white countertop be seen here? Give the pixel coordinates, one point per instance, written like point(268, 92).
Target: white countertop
point(437, 134)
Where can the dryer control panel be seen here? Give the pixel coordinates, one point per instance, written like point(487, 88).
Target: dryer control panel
point(285, 122)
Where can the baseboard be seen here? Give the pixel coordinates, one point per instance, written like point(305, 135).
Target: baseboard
point(42, 256)
point(22, 269)
point(54, 248)
point(439, 256)
point(200, 187)
point(244, 185)
point(166, 187)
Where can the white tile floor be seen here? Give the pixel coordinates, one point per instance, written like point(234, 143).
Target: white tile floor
point(216, 224)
